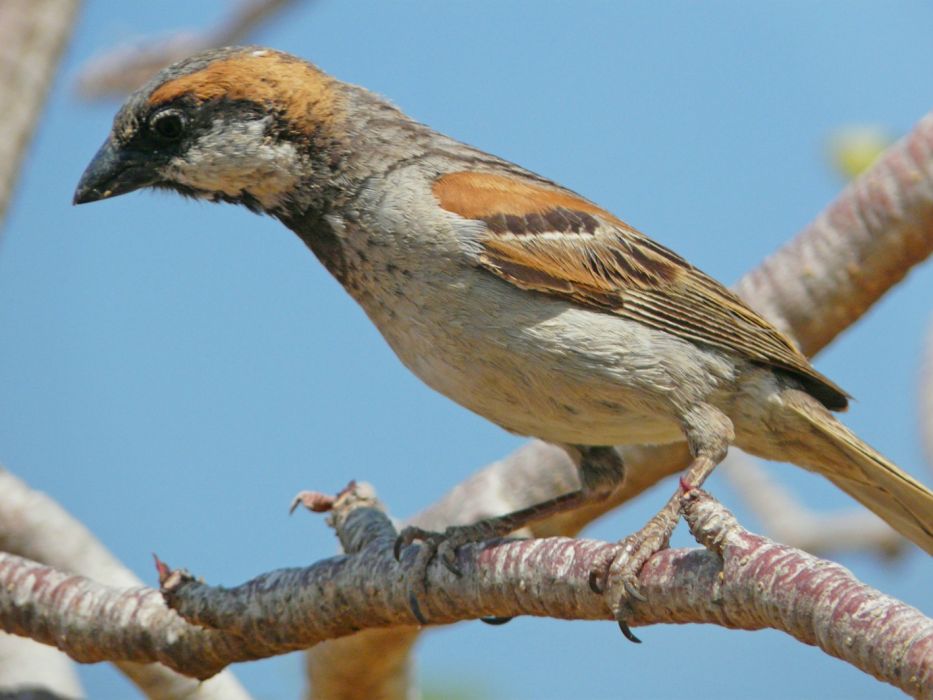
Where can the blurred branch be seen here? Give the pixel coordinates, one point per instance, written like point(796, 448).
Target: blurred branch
point(29, 669)
point(857, 249)
point(390, 676)
point(813, 288)
point(787, 521)
point(33, 34)
point(34, 526)
point(125, 68)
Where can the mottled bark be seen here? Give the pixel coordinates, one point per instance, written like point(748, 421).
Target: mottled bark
point(93, 622)
point(742, 581)
point(34, 526)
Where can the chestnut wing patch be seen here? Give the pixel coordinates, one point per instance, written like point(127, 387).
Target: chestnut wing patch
point(551, 241)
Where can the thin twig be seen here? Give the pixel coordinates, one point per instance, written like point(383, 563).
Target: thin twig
point(123, 69)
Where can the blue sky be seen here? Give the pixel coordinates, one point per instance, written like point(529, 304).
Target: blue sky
point(173, 372)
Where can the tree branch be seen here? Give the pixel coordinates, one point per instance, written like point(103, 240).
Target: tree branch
point(34, 526)
point(125, 68)
point(33, 34)
point(92, 622)
point(29, 669)
point(746, 582)
point(818, 602)
point(787, 521)
point(857, 249)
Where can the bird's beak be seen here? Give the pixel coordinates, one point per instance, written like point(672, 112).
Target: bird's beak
point(113, 171)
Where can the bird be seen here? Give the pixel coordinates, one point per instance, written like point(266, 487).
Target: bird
point(510, 294)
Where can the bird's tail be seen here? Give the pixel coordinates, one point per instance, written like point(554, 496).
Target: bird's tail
point(834, 451)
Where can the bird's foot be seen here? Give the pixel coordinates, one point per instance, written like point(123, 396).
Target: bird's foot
point(436, 545)
point(443, 546)
point(617, 577)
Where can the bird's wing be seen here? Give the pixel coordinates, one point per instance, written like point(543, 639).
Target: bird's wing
point(545, 239)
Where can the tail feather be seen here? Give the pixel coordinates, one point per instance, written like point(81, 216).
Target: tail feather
point(860, 471)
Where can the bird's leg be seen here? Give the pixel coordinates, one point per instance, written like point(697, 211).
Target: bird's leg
point(600, 470)
point(709, 433)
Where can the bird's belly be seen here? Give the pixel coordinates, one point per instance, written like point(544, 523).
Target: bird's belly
point(550, 371)
point(529, 393)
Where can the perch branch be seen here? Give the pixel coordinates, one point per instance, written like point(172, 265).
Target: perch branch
point(34, 526)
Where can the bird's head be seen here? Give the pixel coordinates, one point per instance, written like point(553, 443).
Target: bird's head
point(245, 125)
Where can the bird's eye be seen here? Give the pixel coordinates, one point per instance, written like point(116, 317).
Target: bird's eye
point(170, 124)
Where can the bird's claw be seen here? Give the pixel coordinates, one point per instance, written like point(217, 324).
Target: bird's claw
point(438, 545)
point(493, 620)
point(447, 553)
point(434, 545)
point(415, 608)
point(597, 578)
point(630, 582)
point(627, 632)
point(406, 537)
point(617, 577)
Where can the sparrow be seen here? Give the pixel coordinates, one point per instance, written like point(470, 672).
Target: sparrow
point(508, 293)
